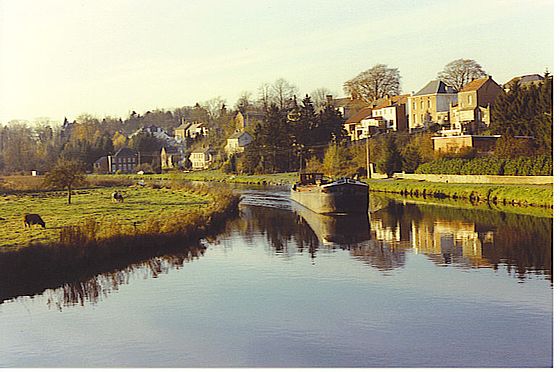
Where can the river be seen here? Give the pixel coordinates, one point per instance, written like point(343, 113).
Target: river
point(412, 285)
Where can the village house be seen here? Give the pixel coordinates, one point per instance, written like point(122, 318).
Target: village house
point(430, 105)
point(392, 112)
point(125, 160)
point(347, 106)
point(483, 144)
point(354, 127)
point(202, 158)
point(190, 130)
point(472, 111)
point(524, 81)
point(171, 158)
point(237, 142)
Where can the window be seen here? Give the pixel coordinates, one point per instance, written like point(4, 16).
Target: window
point(414, 105)
point(421, 105)
point(470, 99)
point(414, 118)
point(429, 103)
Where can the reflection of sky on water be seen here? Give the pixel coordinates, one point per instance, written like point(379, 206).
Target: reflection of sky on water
point(269, 293)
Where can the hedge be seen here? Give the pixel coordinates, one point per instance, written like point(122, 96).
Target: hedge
point(522, 166)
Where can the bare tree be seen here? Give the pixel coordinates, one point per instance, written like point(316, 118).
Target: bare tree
point(282, 92)
point(319, 97)
point(214, 107)
point(264, 95)
point(375, 83)
point(460, 72)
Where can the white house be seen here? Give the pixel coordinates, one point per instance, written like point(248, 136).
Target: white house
point(237, 142)
point(202, 158)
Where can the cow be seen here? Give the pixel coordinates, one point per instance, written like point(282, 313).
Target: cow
point(117, 197)
point(33, 219)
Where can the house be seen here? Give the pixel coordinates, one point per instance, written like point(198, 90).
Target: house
point(171, 158)
point(156, 132)
point(524, 81)
point(101, 165)
point(472, 111)
point(237, 142)
point(347, 106)
point(190, 130)
point(430, 105)
point(124, 160)
point(483, 144)
point(354, 127)
point(202, 158)
point(393, 111)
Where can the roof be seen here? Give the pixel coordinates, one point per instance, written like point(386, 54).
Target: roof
point(435, 87)
point(237, 135)
point(475, 84)
point(201, 150)
point(183, 126)
point(359, 116)
point(525, 79)
point(125, 151)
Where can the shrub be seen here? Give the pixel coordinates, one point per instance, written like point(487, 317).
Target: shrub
point(520, 166)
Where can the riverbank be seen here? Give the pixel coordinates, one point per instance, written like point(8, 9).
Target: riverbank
point(512, 195)
point(149, 211)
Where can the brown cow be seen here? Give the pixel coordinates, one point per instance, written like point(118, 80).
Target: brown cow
point(33, 219)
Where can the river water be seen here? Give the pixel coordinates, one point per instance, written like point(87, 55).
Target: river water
point(412, 285)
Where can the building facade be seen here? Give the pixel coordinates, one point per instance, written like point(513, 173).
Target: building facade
point(430, 105)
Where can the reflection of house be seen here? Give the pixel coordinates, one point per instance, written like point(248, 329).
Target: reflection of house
point(455, 239)
point(202, 158)
point(524, 81)
point(237, 142)
point(472, 111)
point(431, 105)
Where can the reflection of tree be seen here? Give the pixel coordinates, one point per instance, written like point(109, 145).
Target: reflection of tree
point(283, 229)
point(99, 286)
point(80, 271)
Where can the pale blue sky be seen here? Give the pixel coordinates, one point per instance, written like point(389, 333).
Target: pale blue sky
point(63, 58)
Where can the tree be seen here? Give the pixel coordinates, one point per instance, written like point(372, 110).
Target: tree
point(338, 161)
point(319, 97)
point(392, 160)
point(66, 174)
point(460, 72)
point(375, 83)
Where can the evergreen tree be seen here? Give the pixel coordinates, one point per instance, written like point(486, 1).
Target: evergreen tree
point(392, 161)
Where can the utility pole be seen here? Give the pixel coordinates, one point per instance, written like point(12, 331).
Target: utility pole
point(368, 174)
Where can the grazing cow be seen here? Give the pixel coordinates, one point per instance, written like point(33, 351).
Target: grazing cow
point(33, 219)
point(117, 197)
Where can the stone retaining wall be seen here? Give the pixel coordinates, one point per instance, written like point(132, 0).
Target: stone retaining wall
point(455, 178)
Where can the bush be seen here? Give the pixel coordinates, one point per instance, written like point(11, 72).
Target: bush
point(521, 166)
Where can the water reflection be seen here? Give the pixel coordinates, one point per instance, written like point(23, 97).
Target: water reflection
point(464, 238)
point(467, 238)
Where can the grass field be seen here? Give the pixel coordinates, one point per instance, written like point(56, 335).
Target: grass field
point(519, 195)
point(142, 205)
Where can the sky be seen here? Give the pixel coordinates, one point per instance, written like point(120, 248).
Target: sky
point(63, 58)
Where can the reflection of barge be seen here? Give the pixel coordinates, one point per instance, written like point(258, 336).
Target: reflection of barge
point(345, 229)
point(342, 196)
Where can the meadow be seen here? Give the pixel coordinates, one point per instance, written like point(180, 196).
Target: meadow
point(142, 206)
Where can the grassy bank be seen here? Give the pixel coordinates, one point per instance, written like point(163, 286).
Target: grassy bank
point(93, 217)
point(513, 195)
